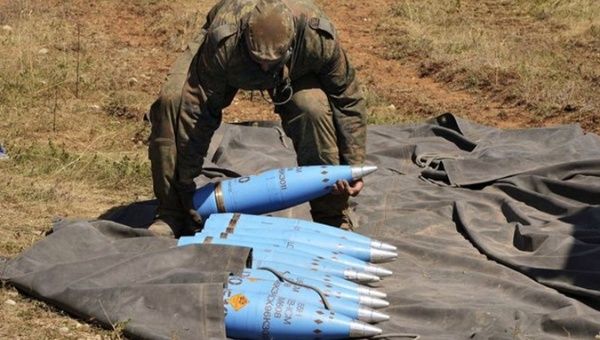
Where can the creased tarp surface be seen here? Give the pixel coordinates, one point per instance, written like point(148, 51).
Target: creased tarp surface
point(497, 230)
point(114, 274)
point(471, 249)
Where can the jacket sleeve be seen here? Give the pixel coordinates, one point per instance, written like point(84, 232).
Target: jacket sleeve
point(204, 96)
point(339, 82)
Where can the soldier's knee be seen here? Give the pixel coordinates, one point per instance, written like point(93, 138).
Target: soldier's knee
point(313, 104)
point(165, 107)
point(171, 91)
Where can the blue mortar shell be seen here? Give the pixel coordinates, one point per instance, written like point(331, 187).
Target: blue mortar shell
point(272, 190)
point(283, 223)
point(300, 248)
point(356, 250)
point(251, 315)
point(284, 256)
point(297, 273)
point(332, 292)
point(290, 291)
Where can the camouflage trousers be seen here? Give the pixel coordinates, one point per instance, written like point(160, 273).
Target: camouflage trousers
point(306, 119)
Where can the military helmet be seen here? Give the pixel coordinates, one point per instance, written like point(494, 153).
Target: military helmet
point(270, 32)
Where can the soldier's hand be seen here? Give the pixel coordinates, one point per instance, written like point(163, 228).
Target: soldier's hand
point(342, 187)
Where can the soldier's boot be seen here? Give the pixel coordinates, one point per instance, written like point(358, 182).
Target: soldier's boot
point(161, 228)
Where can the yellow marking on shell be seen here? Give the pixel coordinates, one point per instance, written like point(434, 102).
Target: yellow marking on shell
point(238, 301)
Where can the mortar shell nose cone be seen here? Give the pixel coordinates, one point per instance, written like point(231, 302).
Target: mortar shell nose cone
point(371, 316)
point(362, 171)
point(360, 276)
point(363, 330)
point(383, 246)
point(372, 302)
point(371, 292)
point(378, 255)
point(381, 272)
point(366, 314)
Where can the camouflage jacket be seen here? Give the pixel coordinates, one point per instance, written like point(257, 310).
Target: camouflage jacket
point(222, 66)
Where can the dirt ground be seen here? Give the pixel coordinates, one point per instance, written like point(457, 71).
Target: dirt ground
point(399, 85)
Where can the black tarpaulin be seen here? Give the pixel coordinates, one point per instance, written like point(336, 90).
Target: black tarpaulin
point(498, 236)
point(110, 273)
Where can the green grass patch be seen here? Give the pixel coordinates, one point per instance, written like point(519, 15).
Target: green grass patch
point(102, 169)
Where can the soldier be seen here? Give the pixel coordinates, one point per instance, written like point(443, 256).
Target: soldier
point(288, 48)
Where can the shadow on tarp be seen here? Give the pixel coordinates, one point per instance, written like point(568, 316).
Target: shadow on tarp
point(141, 214)
point(136, 215)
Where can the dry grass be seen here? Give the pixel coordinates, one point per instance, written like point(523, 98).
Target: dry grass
point(542, 55)
point(381, 111)
point(74, 85)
